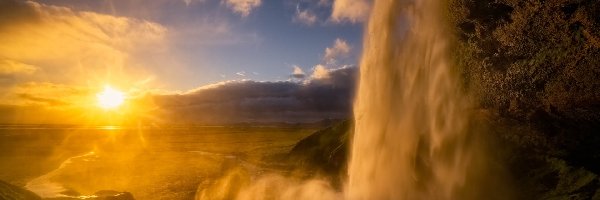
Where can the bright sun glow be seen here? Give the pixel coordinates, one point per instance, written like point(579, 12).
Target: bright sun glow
point(110, 98)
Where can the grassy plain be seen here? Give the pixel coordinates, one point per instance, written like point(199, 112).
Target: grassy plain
point(151, 163)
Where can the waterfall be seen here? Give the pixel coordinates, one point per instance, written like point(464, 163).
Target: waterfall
point(414, 136)
point(412, 139)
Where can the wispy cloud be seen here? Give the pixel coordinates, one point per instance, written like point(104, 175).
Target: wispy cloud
point(48, 101)
point(189, 2)
point(340, 49)
point(242, 7)
point(324, 2)
point(352, 11)
point(51, 94)
point(298, 72)
point(59, 36)
point(11, 67)
point(305, 16)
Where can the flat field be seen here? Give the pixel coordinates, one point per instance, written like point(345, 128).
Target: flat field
point(151, 163)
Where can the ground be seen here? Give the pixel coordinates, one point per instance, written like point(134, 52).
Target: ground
point(151, 163)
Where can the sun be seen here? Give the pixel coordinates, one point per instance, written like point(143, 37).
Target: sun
point(110, 98)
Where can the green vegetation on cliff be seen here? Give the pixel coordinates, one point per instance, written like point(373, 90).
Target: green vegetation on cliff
point(519, 56)
point(535, 63)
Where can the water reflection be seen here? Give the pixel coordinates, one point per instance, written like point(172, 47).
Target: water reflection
point(110, 127)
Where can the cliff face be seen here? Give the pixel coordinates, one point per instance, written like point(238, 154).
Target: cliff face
point(521, 56)
point(536, 64)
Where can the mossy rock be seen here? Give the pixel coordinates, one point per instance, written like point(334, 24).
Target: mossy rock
point(324, 152)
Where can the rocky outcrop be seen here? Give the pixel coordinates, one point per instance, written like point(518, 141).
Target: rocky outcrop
point(12, 192)
point(526, 56)
point(535, 65)
point(537, 164)
point(324, 152)
point(537, 62)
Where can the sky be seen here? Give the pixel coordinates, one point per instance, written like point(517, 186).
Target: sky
point(57, 54)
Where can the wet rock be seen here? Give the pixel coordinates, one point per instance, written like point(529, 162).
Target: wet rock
point(324, 152)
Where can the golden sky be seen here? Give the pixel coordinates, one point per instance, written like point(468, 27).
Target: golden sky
point(54, 59)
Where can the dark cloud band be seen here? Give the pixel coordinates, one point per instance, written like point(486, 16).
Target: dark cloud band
point(252, 101)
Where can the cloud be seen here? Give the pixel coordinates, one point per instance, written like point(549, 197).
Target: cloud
point(253, 101)
point(49, 101)
point(58, 45)
point(305, 16)
point(340, 49)
point(352, 11)
point(323, 2)
point(242, 73)
point(298, 73)
point(320, 72)
point(11, 67)
point(45, 92)
point(242, 7)
point(189, 2)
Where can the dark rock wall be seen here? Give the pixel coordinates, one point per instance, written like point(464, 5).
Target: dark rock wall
point(521, 56)
point(536, 62)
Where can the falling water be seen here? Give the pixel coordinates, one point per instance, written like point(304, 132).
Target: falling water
point(412, 138)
